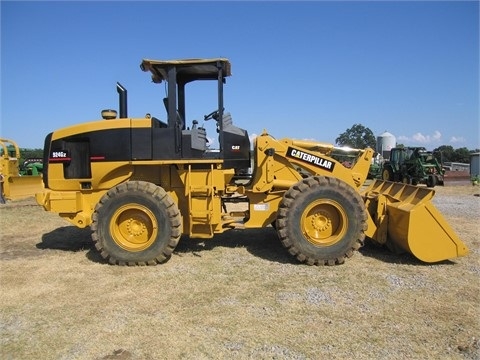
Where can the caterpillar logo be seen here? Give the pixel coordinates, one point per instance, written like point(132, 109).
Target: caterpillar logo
point(235, 148)
point(311, 159)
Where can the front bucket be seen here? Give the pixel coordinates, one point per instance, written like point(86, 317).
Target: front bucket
point(413, 224)
point(19, 187)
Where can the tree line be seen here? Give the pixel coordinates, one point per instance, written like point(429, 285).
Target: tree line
point(24, 153)
point(360, 137)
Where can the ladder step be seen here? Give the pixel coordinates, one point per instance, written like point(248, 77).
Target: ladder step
point(200, 203)
point(237, 226)
point(201, 191)
point(202, 214)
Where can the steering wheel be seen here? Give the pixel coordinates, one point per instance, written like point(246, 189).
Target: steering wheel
point(213, 115)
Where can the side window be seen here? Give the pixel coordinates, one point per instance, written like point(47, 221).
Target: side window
point(79, 165)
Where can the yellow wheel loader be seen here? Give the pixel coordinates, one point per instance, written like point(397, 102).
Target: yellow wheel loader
point(142, 183)
point(14, 184)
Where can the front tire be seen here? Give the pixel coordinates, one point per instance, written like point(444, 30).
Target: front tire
point(431, 181)
point(136, 223)
point(321, 221)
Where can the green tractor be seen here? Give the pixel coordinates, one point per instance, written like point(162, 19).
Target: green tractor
point(31, 166)
point(413, 165)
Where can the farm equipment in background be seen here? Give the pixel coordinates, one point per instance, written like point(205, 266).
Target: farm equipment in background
point(413, 165)
point(31, 167)
point(457, 173)
point(142, 183)
point(18, 181)
point(375, 170)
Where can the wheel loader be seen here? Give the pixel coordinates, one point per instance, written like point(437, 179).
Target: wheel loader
point(142, 183)
point(18, 182)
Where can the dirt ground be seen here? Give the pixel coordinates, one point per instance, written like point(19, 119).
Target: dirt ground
point(239, 295)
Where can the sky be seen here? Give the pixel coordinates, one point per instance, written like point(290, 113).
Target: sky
point(303, 70)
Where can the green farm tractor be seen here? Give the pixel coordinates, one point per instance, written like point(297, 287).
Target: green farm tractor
point(413, 165)
point(31, 166)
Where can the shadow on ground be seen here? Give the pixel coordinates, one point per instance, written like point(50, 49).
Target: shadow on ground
point(383, 254)
point(262, 243)
point(71, 238)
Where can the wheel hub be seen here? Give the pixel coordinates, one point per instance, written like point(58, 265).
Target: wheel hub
point(324, 222)
point(134, 227)
point(321, 221)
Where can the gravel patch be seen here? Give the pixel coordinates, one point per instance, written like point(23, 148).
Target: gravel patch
point(465, 206)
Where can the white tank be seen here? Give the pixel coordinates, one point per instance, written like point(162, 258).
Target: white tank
point(385, 143)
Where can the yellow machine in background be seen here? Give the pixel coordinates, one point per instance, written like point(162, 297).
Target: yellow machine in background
point(16, 185)
point(140, 183)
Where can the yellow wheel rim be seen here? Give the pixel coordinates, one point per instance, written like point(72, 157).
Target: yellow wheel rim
point(324, 223)
point(133, 227)
point(386, 175)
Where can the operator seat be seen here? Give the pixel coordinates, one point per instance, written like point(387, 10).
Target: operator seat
point(180, 122)
point(236, 145)
point(194, 140)
point(227, 125)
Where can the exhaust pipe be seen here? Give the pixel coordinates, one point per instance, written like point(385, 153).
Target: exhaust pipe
point(122, 99)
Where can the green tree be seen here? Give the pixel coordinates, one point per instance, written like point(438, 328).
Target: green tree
point(447, 153)
point(462, 155)
point(31, 153)
point(444, 153)
point(358, 137)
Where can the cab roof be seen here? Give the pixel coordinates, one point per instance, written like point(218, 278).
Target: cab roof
point(187, 69)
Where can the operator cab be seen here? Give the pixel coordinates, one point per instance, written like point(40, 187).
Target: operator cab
point(190, 142)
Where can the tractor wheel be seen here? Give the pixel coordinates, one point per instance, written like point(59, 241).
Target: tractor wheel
point(136, 223)
point(431, 181)
point(321, 221)
point(387, 174)
point(406, 179)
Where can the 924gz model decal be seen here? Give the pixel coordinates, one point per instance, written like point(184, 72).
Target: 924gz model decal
point(59, 156)
point(311, 159)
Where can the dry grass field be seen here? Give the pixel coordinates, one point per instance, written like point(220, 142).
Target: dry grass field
point(239, 295)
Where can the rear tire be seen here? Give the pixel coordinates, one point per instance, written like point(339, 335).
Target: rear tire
point(406, 179)
point(136, 223)
point(387, 174)
point(321, 221)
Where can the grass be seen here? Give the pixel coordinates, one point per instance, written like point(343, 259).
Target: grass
point(239, 295)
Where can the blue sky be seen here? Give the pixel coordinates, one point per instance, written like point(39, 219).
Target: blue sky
point(305, 70)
